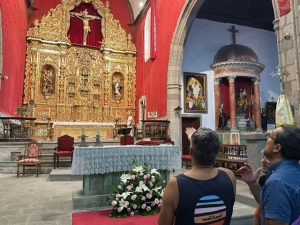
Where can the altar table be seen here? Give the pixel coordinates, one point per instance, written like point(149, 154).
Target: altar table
point(102, 167)
point(74, 129)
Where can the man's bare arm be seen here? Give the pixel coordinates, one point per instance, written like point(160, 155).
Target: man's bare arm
point(274, 222)
point(170, 202)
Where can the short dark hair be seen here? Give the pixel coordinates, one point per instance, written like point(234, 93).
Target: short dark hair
point(205, 146)
point(289, 139)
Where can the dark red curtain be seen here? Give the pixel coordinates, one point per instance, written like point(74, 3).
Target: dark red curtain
point(284, 6)
point(75, 33)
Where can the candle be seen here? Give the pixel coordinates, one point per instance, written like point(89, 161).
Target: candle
point(49, 113)
point(98, 130)
point(83, 130)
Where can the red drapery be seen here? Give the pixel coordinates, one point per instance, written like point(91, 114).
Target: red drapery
point(75, 33)
point(284, 6)
point(153, 30)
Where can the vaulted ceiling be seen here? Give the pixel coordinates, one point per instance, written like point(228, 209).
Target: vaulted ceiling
point(252, 13)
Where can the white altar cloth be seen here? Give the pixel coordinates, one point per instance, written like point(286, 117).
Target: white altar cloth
point(83, 124)
point(100, 160)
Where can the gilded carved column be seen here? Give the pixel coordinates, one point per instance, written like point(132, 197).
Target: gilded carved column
point(34, 74)
point(232, 103)
point(217, 100)
point(256, 104)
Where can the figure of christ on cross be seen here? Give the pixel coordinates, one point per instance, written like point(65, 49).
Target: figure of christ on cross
point(85, 17)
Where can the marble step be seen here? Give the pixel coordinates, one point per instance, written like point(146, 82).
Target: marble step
point(64, 174)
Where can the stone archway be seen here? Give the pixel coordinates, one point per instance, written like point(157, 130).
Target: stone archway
point(174, 86)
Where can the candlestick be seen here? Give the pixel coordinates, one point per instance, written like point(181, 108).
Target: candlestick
point(49, 112)
point(98, 130)
point(83, 130)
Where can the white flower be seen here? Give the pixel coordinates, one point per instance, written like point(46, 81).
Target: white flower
point(125, 194)
point(120, 209)
point(138, 169)
point(125, 177)
point(148, 208)
point(122, 204)
point(145, 188)
point(132, 213)
point(156, 189)
point(156, 201)
point(154, 171)
point(161, 193)
point(139, 189)
point(113, 203)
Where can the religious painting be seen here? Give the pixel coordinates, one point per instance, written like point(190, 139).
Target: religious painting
point(270, 112)
point(226, 140)
point(234, 139)
point(195, 95)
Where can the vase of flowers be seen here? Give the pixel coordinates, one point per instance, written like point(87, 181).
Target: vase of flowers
point(140, 192)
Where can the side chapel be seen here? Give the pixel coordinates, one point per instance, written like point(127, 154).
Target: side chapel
point(80, 69)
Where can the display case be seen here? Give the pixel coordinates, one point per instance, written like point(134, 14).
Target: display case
point(232, 157)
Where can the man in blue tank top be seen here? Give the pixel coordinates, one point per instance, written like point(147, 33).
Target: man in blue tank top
point(204, 194)
point(280, 196)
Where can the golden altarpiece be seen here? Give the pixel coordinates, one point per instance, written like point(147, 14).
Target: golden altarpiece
point(75, 85)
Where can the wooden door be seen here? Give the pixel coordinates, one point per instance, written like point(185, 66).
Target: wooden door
point(188, 122)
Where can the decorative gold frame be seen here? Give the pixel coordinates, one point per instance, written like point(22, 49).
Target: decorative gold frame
point(195, 92)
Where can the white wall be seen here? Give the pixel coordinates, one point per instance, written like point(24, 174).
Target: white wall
point(207, 37)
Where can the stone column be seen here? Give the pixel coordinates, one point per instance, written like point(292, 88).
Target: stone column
point(232, 103)
point(217, 100)
point(256, 105)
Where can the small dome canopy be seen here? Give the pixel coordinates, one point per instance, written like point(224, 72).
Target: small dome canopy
point(235, 52)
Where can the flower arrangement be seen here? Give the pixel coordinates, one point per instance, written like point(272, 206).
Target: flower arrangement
point(139, 192)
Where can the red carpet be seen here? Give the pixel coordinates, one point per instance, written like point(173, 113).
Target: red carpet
point(101, 218)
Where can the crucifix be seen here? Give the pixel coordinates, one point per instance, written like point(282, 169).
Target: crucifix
point(85, 17)
point(233, 31)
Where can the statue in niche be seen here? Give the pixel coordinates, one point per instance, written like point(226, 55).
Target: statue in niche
point(242, 101)
point(222, 117)
point(48, 81)
point(84, 72)
point(117, 87)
